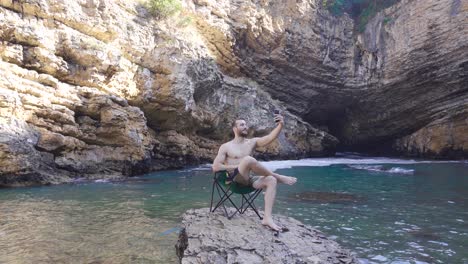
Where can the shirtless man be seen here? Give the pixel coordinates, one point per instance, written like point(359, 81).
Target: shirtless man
point(235, 157)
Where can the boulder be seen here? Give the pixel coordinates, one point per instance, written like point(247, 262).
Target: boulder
point(212, 238)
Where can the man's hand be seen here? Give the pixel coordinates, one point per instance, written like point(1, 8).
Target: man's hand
point(279, 119)
point(263, 141)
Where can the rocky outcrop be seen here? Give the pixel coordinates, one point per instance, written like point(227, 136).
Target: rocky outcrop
point(212, 238)
point(446, 137)
point(51, 132)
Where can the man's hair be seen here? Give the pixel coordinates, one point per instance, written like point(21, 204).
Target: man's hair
point(234, 123)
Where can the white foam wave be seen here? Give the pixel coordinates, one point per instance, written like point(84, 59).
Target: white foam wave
point(380, 168)
point(102, 180)
point(321, 162)
point(438, 242)
point(203, 167)
point(400, 170)
point(367, 167)
point(379, 258)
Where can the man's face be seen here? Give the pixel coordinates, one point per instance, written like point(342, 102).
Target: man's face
point(241, 128)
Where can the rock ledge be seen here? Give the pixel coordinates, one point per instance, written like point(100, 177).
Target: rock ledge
point(215, 239)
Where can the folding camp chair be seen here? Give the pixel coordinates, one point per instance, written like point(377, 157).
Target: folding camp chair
point(226, 189)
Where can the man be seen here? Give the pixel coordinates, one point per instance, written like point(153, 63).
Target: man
point(235, 157)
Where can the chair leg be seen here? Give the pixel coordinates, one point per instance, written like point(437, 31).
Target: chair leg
point(223, 198)
point(218, 191)
point(250, 203)
point(212, 195)
point(246, 202)
point(227, 196)
point(229, 217)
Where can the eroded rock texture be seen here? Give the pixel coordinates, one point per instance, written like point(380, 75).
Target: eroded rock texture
point(94, 88)
point(99, 87)
point(405, 72)
point(212, 238)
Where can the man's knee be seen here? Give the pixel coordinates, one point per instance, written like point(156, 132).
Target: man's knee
point(270, 180)
point(249, 160)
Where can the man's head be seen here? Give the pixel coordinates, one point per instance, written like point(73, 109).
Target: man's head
point(240, 128)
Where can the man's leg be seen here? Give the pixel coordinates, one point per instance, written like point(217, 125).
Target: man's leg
point(249, 163)
point(269, 184)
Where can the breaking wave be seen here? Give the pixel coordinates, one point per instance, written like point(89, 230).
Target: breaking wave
point(380, 168)
point(321, 162)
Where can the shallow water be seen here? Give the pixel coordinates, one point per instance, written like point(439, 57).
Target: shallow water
point(385, 210)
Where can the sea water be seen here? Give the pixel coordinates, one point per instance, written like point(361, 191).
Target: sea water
point(385, 210)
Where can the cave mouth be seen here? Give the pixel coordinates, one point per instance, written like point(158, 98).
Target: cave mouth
point(372, 148)
point(334, 121)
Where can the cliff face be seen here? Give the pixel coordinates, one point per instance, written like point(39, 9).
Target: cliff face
point(405, 72)
point(421, 54)
point(99, 87)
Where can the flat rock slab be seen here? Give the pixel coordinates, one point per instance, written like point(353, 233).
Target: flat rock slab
point(212, 238)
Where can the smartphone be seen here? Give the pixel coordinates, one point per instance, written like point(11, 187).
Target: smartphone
point(276, 112)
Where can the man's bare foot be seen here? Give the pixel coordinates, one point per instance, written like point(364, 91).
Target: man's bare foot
point(286, 179)
point(271, 224)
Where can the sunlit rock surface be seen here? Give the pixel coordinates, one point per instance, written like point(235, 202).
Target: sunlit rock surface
point(212, 238)
point(101, 88)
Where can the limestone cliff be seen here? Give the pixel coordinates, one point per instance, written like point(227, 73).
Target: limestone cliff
point(418, 53)
point(407, 70)
point(100, 87)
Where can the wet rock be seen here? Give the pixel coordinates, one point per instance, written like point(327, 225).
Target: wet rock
point(212, 238)
point(182, 244)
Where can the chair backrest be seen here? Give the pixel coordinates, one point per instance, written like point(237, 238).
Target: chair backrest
point(221, 178)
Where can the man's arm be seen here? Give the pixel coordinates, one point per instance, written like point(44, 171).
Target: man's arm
point(218, 163)
point(263, 141)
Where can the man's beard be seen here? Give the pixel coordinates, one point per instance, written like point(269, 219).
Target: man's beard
point(244, 133)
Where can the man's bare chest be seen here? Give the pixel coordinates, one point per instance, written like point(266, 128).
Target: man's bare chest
point(239, 151)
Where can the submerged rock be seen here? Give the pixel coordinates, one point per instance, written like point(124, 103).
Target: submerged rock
point(212, 238)
point(424, 234)
point(326, 197)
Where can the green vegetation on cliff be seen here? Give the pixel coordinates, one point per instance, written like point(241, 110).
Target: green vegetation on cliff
point(163, 8)
point(361, 10)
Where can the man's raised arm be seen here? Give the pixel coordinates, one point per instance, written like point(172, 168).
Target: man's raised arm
point(218, 163)
point(263, 141)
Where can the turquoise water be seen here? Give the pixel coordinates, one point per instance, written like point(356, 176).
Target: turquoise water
point(387, 211)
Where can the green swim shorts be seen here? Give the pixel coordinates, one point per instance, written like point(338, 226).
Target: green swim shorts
point(239, 179)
